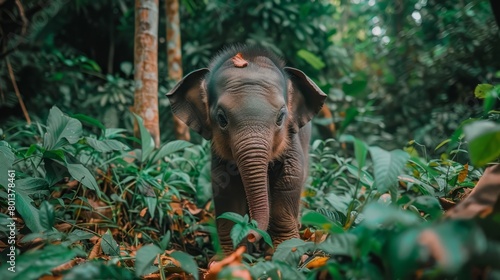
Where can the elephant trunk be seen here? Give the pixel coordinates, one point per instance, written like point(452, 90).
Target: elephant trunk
point(252, 156)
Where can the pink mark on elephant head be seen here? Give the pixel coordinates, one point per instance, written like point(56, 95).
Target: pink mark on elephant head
point(239, 61)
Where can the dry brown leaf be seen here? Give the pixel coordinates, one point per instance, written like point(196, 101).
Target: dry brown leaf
point(318, 261)
point(307, 234)
point(463, 174)
point(143, 212)
point(64, 266)
point(176, 207)
point(232, 260)
point(192, 208)
point(95, 250)
point(446, 204)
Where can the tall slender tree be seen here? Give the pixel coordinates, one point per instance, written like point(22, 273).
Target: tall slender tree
point(146, 66)
point(174, 58)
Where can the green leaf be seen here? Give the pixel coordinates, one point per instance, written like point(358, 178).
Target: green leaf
point(311, 58)
point(238, 233)
point(165, 241)
point(25, 208)
point(83, 175)
point(151, 202)
point(430, 205)
point(89, 120)
point(357, 86)
point(61, 130)
point(387, 168)
point(187, 262)
point(319, 220)
point(109, 245)
point(7, 158)
point(34, 264)
point(47, 216)
point(55, 171)
point(107, 145)
point(483, 138)
point(376, 215)
point(360, 149)
point(144, 259)
point(147, 142)
point(93, 270)
point(234, 217)
point(170, 148)
point(290, 251)
point(482, 90)
point(350, 115)
point(265, 270)
point(265, 235)
point(344, 244)
point(403, 253)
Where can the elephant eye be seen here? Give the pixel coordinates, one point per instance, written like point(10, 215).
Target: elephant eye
point(281, 116)
point(221, 118)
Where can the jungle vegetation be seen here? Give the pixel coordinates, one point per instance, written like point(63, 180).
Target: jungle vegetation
point(102, 193)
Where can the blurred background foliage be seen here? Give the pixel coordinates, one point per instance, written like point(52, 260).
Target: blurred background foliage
point(393, 70)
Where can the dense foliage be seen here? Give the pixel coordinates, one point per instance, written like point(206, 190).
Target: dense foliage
point(413, 90)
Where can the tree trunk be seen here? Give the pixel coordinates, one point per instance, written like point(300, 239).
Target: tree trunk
point(146, 66)
point(174, 58)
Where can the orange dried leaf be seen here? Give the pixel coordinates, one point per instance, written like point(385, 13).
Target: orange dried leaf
point(239, 61)
point(463, 174)
point(317, 262)
point(143, 212)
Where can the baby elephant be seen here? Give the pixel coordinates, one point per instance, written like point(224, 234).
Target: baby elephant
point(257, 113)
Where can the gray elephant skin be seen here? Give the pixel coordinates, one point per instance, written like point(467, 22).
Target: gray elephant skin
point(257, 114)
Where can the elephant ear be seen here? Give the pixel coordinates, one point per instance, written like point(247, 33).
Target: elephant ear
point(305, 98)
point(189, 103)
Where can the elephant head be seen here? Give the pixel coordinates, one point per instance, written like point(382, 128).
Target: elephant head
point(248, 104)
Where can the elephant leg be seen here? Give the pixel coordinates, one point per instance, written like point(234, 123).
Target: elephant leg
point(229, 196)
point(285, 191)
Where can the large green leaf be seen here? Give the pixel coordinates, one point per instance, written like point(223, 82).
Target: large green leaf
point(25, 207)
point(144, 259)
point(319, 220)
point(188, 264)
point(32, 265)
point(387, 168)
point(55, 171)
point(360, 149)
point(83, 175)
point(238, 233)
point(377, 215)
point(147, 142)
point(47, 216)
point(170, 148)
point(265, 270)
point(107, 145)
point(61, 130)
point(484, 139)
point(345, 244)
point(290, 251)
